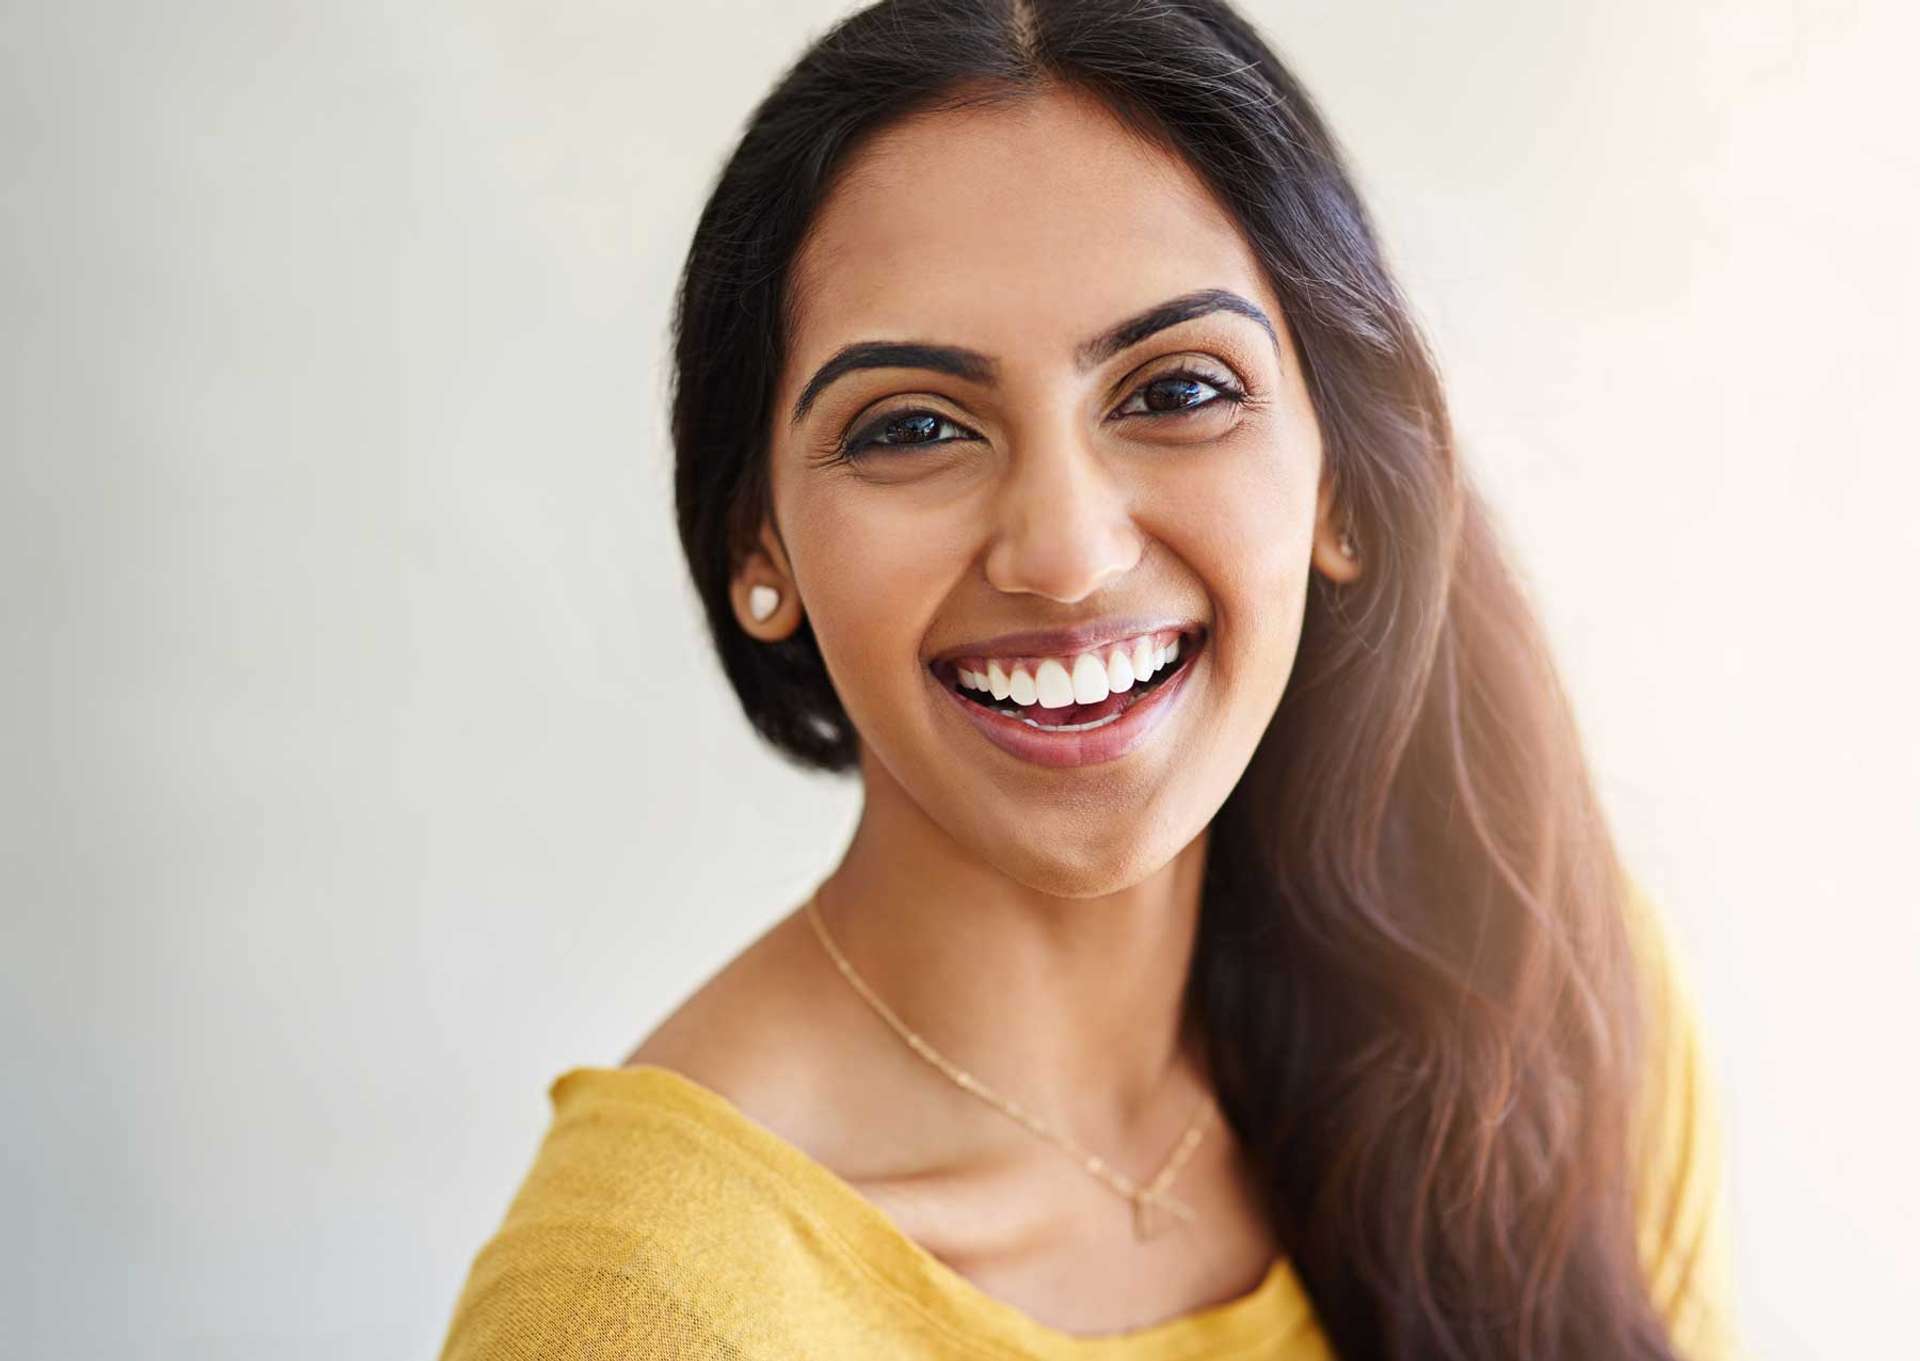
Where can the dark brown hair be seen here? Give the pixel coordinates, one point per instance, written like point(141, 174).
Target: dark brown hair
point(1413, 968)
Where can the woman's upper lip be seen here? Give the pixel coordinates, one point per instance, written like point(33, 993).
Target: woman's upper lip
point(1066, 642)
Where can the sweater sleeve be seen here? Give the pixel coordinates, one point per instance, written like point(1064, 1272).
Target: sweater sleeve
point(566, 1291)
point(619, 1246)
point(1684, 1247)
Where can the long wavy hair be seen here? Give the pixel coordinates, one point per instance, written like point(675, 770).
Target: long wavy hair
point(1413, 966)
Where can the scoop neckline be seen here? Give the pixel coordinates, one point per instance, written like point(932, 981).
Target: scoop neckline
point(1259, 1317)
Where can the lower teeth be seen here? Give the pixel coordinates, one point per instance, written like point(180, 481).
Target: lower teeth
point(1072, 727)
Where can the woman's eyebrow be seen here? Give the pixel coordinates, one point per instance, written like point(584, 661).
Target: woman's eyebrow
point(976, 367)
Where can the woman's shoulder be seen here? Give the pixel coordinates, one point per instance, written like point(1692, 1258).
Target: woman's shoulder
point(758, 1033)
point(1683, 1228)
point(641, 1153)
point(647, 1223)
point(655, 1219)
point(790, 1047)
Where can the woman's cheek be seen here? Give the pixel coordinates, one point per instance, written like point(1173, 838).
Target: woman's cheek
point(873, 582)
point(1245, 512)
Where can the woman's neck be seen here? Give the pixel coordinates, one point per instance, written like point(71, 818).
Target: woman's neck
point(1071, 1006)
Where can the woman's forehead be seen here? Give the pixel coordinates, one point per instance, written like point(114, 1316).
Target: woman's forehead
point(1022, 228)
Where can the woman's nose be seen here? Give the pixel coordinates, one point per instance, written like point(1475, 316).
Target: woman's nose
point(1063, 523)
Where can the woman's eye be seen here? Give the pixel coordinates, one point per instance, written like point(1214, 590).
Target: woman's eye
point(1170, 394)
point(1173, 393)
point(905, 427)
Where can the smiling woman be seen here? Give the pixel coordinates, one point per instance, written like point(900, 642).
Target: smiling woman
point(1056, 454)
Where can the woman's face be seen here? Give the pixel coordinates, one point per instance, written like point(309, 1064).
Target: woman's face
point(1080, 466)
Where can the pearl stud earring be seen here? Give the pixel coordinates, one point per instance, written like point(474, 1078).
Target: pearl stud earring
point(761, 601)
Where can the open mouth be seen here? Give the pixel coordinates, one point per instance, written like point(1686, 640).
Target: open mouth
point(1076, 717)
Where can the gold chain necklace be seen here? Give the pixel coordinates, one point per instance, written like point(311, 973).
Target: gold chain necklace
point(1145, 1198)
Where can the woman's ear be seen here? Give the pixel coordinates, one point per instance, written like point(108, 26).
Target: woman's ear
point(1336, 552)
point(765, 600)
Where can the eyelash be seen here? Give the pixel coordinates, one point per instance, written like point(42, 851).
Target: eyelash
point(856, 446)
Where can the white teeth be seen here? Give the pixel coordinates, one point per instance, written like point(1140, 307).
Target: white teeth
point(997, 680)
point(1072, 727)
point(1053, 685)
point(1086, 679)
point(1089, 679)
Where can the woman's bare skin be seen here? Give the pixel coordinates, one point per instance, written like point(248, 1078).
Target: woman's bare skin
point(774, 1033)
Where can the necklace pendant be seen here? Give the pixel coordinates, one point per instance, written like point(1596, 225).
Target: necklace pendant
point(1154, 1212)
point(1150, 1218)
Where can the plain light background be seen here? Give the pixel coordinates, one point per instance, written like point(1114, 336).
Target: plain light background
point(365, 765)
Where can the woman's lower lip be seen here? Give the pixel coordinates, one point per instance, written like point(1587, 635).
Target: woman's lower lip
point(1095, 745)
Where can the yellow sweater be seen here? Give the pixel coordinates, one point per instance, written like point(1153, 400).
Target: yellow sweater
point(661, 1223)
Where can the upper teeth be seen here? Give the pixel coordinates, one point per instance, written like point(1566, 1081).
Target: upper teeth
point(1055, 682)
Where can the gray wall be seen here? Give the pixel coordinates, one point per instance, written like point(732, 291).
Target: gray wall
point(363, 765)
